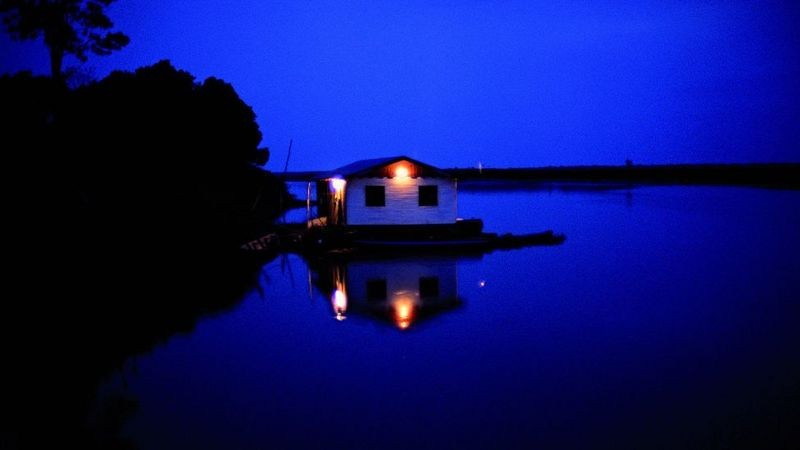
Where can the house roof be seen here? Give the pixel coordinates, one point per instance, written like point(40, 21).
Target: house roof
point(366, 167)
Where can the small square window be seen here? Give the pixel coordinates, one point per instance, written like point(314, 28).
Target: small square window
point(376, 290)
point(374, 196)
point(429, 196)
point(429, 287)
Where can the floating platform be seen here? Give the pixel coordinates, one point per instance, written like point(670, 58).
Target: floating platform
point(464, 236)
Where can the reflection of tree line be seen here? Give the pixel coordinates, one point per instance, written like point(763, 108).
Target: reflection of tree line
point(98, 313)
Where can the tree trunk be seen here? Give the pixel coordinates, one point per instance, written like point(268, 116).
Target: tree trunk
point(56, 58)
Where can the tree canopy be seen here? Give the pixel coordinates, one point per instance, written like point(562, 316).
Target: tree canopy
point(151, 153)
point(69, 27)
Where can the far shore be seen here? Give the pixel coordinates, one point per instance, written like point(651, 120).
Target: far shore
point(772, 175)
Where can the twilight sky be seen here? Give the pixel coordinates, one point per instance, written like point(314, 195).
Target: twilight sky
point(506, 83)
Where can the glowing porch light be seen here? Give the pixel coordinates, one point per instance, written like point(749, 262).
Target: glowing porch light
point(339, 303)
point(403, 312)
point(401, 172)
point(338, 184)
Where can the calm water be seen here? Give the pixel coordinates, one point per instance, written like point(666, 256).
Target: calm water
point(669, 319)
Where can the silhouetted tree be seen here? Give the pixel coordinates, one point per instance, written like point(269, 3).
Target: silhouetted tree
point(69, 27)
point(159, 148)
point(131, 194)
point(150, 154)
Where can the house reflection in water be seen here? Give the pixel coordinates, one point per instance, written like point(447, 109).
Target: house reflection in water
point(401, 291)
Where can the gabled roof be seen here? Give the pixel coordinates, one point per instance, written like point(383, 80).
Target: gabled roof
point(364, 167)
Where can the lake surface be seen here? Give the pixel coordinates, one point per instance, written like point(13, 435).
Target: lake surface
point(670, 318)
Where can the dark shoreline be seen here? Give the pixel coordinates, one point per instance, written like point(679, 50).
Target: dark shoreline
point(771, 175)
point(94, 313)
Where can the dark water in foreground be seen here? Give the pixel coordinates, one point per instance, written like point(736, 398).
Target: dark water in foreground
point(669, 319)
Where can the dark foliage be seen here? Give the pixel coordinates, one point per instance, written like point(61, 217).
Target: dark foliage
point(151, 155)
point(173, 156)
point(69, 27)
point(128, 199)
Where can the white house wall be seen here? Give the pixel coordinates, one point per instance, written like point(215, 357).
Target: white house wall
point(402, 202)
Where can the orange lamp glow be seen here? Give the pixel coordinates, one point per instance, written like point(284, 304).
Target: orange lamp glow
point(401, 172)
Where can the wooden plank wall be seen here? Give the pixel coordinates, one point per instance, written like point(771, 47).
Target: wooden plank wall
point(402, 204)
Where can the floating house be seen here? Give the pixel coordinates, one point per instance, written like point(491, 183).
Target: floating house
point(387, 191)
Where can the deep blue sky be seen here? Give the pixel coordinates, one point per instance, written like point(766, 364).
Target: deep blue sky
point(507, 83)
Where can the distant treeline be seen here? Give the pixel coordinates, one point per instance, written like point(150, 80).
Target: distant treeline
point(785, 175)
point(767, 175)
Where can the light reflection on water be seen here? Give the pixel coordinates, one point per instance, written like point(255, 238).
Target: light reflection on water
point(400, 291)
point(667, 319)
